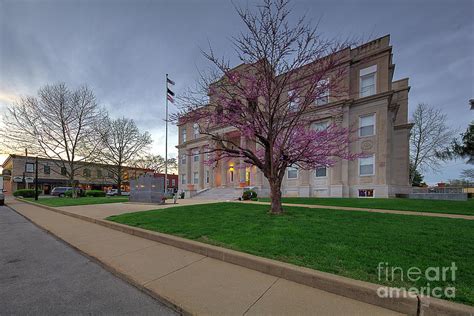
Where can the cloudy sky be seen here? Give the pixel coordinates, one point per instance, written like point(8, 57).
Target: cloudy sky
point(123, 49)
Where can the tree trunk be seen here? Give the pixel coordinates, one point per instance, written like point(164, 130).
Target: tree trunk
point(119, 180)
point(275, 194)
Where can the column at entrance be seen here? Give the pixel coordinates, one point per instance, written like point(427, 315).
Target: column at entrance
point(223, 167)
point(242, 169)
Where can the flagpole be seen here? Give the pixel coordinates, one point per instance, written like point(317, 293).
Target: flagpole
point(166, 138)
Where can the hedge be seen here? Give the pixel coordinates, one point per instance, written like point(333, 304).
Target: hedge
point(95, 193)
point(26, 193)
point(249, 195)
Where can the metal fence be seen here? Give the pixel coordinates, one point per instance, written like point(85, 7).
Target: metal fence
point(438, 190)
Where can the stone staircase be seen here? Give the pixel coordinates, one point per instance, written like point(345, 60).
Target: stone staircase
point(220, 194)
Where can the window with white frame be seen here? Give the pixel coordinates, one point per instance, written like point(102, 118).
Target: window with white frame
point(173, 182)
point(323, 90)
point(294, 100)
point(195, 177)
point(292, 173)
point(196, 130)
point(368, 81)
point(321, 172)
point(319, 126)
point(367, 166)
point(183, 179)
point(196, 156)
point(367, 125)
point(183, 159)
point(183, 134)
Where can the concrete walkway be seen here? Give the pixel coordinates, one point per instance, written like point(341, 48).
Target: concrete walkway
point(345, 208)
point(195, 283)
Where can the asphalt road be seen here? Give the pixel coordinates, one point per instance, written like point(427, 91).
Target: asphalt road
point(41, 275)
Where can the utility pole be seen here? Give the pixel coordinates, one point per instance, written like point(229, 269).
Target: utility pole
point(36, 178)
point(24, 171)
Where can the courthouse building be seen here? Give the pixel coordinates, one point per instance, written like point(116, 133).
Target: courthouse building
point(373, 103)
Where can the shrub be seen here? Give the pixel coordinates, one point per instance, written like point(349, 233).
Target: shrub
point(95, 193)
point(80, 193)
point(249, 195)
point(26, 193)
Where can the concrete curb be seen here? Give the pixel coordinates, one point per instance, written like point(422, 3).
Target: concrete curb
point(359, 290)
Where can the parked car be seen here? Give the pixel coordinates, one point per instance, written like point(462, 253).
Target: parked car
point(2, 198)
point(114, 192)
point(61, 191)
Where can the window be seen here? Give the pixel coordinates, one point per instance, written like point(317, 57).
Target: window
point(86, 172)
point(195, 177)
point(99, 173)
point(293, 100)
point(173, 182)
point(323, 90)
point(183, 179)
point(183, 134)
point(207, 176)
point(63, 171)
point(29, 167)
point(366, 166)
point(167, 182)
point(110, 174)
point(366, 193)
point(367, 125)
point(320, 126)
point(252, 104)
point(47, 170)
point(196, 156)
point(292, 173)
point(196, 130)
point(368, 81)
point(183, 159)
point(321, 172)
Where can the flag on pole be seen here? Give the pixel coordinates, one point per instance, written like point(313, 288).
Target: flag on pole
point(169, 93)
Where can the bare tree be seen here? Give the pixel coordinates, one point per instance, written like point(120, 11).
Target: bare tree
point(121, 143)
point(156, 163)
point(58, 124)
point(287, 68)
point(429, 135)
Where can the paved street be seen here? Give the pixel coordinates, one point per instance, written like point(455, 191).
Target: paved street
point(41, 275)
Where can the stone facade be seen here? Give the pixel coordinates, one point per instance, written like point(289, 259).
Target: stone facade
point(372, 104)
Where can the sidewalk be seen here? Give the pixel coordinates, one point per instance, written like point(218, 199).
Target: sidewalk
point(195, 283)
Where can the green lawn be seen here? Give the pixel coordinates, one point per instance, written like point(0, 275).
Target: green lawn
point(341, 242)
point(56, 202)
point(434, 206)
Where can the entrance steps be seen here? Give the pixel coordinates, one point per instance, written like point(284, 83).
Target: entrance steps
point(220, 194)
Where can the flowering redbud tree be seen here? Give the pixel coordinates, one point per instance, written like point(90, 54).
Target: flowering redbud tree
point(287, 73)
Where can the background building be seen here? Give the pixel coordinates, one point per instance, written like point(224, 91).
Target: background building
point(19, 173)
point(371, 103)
